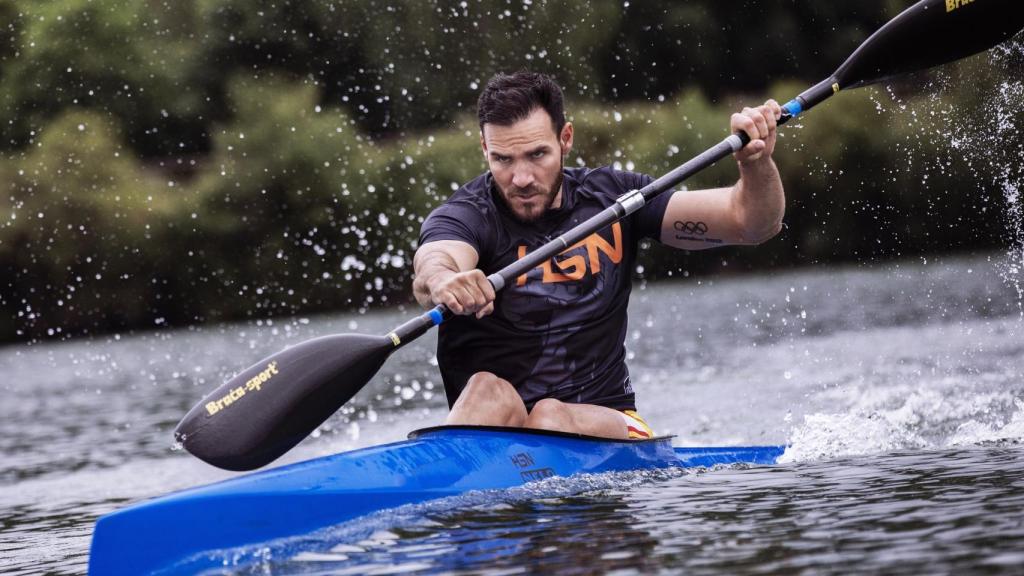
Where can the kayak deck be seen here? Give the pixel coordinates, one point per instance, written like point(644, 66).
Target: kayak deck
point(158, 534)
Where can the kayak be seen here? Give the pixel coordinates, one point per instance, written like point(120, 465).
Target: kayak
point(177, 529)
point(183, 528)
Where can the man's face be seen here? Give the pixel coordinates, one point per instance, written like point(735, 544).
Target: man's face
point(526, 162)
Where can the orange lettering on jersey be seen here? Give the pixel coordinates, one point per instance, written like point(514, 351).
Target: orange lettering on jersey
point(595, 243)
point(575, 267)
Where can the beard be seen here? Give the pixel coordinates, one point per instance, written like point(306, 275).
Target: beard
point(540, 200)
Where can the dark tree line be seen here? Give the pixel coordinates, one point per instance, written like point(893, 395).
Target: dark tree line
point(170, 163)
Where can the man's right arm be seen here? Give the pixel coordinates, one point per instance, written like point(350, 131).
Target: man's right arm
point(446, 274)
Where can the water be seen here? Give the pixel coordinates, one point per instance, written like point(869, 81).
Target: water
point(897, 385)
point(952, 511)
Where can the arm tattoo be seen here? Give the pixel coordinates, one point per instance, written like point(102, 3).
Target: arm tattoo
point(693, 231)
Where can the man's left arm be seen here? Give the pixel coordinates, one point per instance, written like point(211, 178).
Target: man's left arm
point(749, 212)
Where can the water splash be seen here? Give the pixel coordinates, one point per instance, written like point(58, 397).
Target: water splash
point(1012, 270)
point(973, 433)
point(906, 418)
point(987, 138)
point(973, 111)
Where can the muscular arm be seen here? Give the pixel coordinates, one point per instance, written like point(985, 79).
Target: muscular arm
point(749, 212)
point(446, 274)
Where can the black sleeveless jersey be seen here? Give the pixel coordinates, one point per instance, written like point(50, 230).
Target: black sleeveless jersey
point(557, 331)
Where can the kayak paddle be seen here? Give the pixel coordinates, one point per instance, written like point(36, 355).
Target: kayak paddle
point(263, 412)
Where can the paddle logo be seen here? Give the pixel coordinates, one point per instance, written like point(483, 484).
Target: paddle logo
point(954, 4)
point(578, 260)
point(253, 384)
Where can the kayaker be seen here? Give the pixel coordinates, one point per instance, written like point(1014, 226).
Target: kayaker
point(548, 352)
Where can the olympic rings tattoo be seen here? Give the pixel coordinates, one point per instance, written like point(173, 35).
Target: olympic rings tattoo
point(698, 228)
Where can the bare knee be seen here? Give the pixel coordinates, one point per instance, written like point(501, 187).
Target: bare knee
point(488, 400)
point(488, 388)
point(550, 414)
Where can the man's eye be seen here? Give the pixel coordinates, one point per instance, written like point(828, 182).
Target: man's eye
point(538, 154)
point(503, 159)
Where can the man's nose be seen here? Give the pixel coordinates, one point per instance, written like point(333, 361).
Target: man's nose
point(522, 177)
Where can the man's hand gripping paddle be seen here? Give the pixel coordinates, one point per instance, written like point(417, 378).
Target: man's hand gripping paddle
point(263, 412)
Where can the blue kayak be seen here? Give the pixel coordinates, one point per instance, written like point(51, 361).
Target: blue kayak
point(160, 534)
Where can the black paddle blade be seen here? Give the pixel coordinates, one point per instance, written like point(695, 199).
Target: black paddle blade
point(930, 33)
point(263, 412)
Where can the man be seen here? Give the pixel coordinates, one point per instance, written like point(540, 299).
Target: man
point(548, 351)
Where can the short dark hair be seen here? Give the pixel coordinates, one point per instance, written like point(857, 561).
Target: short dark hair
point(509, 98)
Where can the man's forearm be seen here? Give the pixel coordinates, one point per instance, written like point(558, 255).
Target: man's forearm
point(760, 200)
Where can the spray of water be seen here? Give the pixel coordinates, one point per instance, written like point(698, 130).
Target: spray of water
point(976, 113)
point(909, 417)
point(989, 142)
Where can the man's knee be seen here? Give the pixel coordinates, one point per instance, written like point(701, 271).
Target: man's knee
point(550, 414)
point(488, 400)
point(487, 387)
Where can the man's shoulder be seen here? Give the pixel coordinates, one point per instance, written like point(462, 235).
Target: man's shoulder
point(470, 203)
point(466, 216)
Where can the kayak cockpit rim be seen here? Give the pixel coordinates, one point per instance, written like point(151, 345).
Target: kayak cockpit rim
point(422, 432)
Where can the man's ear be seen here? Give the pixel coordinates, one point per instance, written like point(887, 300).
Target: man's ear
point(483, 144)
point(565, 138)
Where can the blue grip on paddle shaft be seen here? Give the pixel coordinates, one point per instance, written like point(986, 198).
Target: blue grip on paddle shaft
point(436, 315)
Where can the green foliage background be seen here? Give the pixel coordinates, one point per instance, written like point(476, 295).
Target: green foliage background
point(181, 162)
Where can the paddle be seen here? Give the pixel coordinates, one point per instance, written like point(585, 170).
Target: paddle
point(264, 411)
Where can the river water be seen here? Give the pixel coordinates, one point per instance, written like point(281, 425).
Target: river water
point(898, 388)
